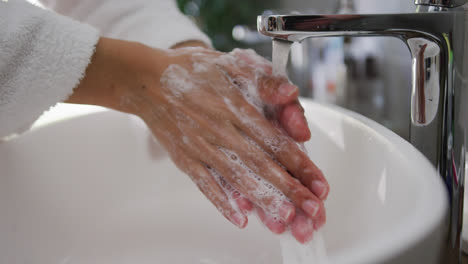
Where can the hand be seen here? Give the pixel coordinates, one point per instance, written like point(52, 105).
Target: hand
point(205, 108)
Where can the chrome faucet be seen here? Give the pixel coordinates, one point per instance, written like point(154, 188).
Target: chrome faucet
point(437, 37)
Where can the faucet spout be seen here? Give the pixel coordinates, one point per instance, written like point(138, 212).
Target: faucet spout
point(438, 42)
point(424, 33)
point(299, 27)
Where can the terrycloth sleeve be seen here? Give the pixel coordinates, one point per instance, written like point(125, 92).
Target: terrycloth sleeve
point(156, 23)
point(43, 56)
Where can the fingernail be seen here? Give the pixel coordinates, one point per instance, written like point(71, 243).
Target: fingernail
point(244, 205)
point(276, 226)
point(302, 228)
point(319, 188)
point(286, 89)
point(239, 219)
point(286, 212)
point(311, 207)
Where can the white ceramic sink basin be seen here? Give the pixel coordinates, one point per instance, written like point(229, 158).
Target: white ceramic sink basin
point(96, 189)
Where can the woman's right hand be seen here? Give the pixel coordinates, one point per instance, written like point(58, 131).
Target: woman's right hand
point(208, 110)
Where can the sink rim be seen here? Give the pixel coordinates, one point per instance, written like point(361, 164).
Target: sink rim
point(420, 223)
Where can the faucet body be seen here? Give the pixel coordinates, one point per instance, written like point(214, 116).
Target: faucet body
point(438, 42)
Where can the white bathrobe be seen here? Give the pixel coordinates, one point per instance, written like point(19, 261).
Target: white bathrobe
point(43, 55)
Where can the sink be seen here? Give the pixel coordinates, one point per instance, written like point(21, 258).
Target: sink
point(94, 187)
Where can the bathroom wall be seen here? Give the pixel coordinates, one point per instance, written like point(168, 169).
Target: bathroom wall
point(384, 6)
point(396, 64)
point(363, 6)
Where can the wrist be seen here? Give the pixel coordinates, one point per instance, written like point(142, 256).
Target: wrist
point(117, 69)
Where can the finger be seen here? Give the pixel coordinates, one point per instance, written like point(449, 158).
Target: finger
point(276, 90)
point(281, 97)
point(302, 228)
point(283, 105)
point(211, 189)
point(242, 178)
point(244, 205)
point(272, 223)
point(268, 196)
point(283, 148)
point(215, 194)
point(284, 182)
point(247, 178)
point(262, 194)
point(284, 109)
point(269, 170)
point(292, 119)
point(300, 165)
point(287, 212)
point(247, 154)
point(319, 222)
point(272, 89)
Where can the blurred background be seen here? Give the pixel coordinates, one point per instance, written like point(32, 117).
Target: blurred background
point(371, 75)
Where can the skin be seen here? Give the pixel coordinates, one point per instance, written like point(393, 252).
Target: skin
point(212, 132)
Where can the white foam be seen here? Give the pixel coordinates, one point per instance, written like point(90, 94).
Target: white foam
point(265, 189)
point(199, 67)
point(313, 252)
point(177, 80)
point(227, 188)
point(252, 56)
point(250, 91)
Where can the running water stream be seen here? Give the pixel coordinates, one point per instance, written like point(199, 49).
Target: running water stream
point(280, 56)
point(292, 251)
